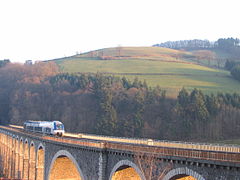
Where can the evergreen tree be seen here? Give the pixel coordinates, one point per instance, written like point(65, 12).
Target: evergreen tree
point(198, 106)
point(126, 83)
point(136, 83)
point(139, 107)
point(199, 113)
point(183, 97)
point(212, 105)
point(155, 95)
point(145, 85)
point(185, 122)
point(107, 116)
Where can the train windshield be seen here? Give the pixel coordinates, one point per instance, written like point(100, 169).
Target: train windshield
point(59, 126)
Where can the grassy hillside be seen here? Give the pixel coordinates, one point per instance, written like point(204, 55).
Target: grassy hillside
point(140, 52)
point(170, 69)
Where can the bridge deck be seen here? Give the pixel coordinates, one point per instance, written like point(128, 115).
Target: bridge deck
point(159, 148)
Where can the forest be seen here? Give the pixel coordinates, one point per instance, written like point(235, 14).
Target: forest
point(230, 45)
point(222, 43)
point(108, 105)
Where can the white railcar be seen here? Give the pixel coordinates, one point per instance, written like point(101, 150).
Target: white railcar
point(47, 127)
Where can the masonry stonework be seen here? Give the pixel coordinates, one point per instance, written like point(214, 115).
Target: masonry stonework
point(95, 162)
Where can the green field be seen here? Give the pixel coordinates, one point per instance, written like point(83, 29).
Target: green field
point(136, 52)
point(158, 66)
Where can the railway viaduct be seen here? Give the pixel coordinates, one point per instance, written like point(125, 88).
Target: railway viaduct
point(25, 155)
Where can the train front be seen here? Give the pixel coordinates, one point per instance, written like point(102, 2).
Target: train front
point(58, 128)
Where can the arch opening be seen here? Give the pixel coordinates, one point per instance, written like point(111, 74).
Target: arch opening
point(125, 172)
point(64, 168)
point(183, 177)
point(40, 163)
point(183, 173)
point(126, 169)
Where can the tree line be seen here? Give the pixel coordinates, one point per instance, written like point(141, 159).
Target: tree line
point(109, 105)
point(190, 44)
point(221, 43)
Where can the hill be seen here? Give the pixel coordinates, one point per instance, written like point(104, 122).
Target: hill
point(168, 68)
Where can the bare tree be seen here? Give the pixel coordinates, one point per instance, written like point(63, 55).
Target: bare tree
point(152, 165)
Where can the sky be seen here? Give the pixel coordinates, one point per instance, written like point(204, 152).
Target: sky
point(47, 29)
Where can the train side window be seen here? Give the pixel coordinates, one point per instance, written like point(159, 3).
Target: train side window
point(48, 130)
point(39, 129)
point(30, 128)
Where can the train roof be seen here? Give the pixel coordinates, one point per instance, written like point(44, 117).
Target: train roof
point(41, 122)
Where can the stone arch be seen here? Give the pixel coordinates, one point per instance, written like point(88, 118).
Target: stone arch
point(41, 146)
point(26, 141)
point(32, 143)
point(40, 162)
point(65, 154)
point(17, 151)
point(26, 160)
point(32, 161)
point(10, 155)
point(6, 158)
point(13, 154)
point(182, 171)
point(21, 153)
point(127, 163)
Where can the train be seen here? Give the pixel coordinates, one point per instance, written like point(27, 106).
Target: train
point(45, 127)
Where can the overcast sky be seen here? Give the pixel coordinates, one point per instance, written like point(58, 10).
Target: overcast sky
point(46, 29)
